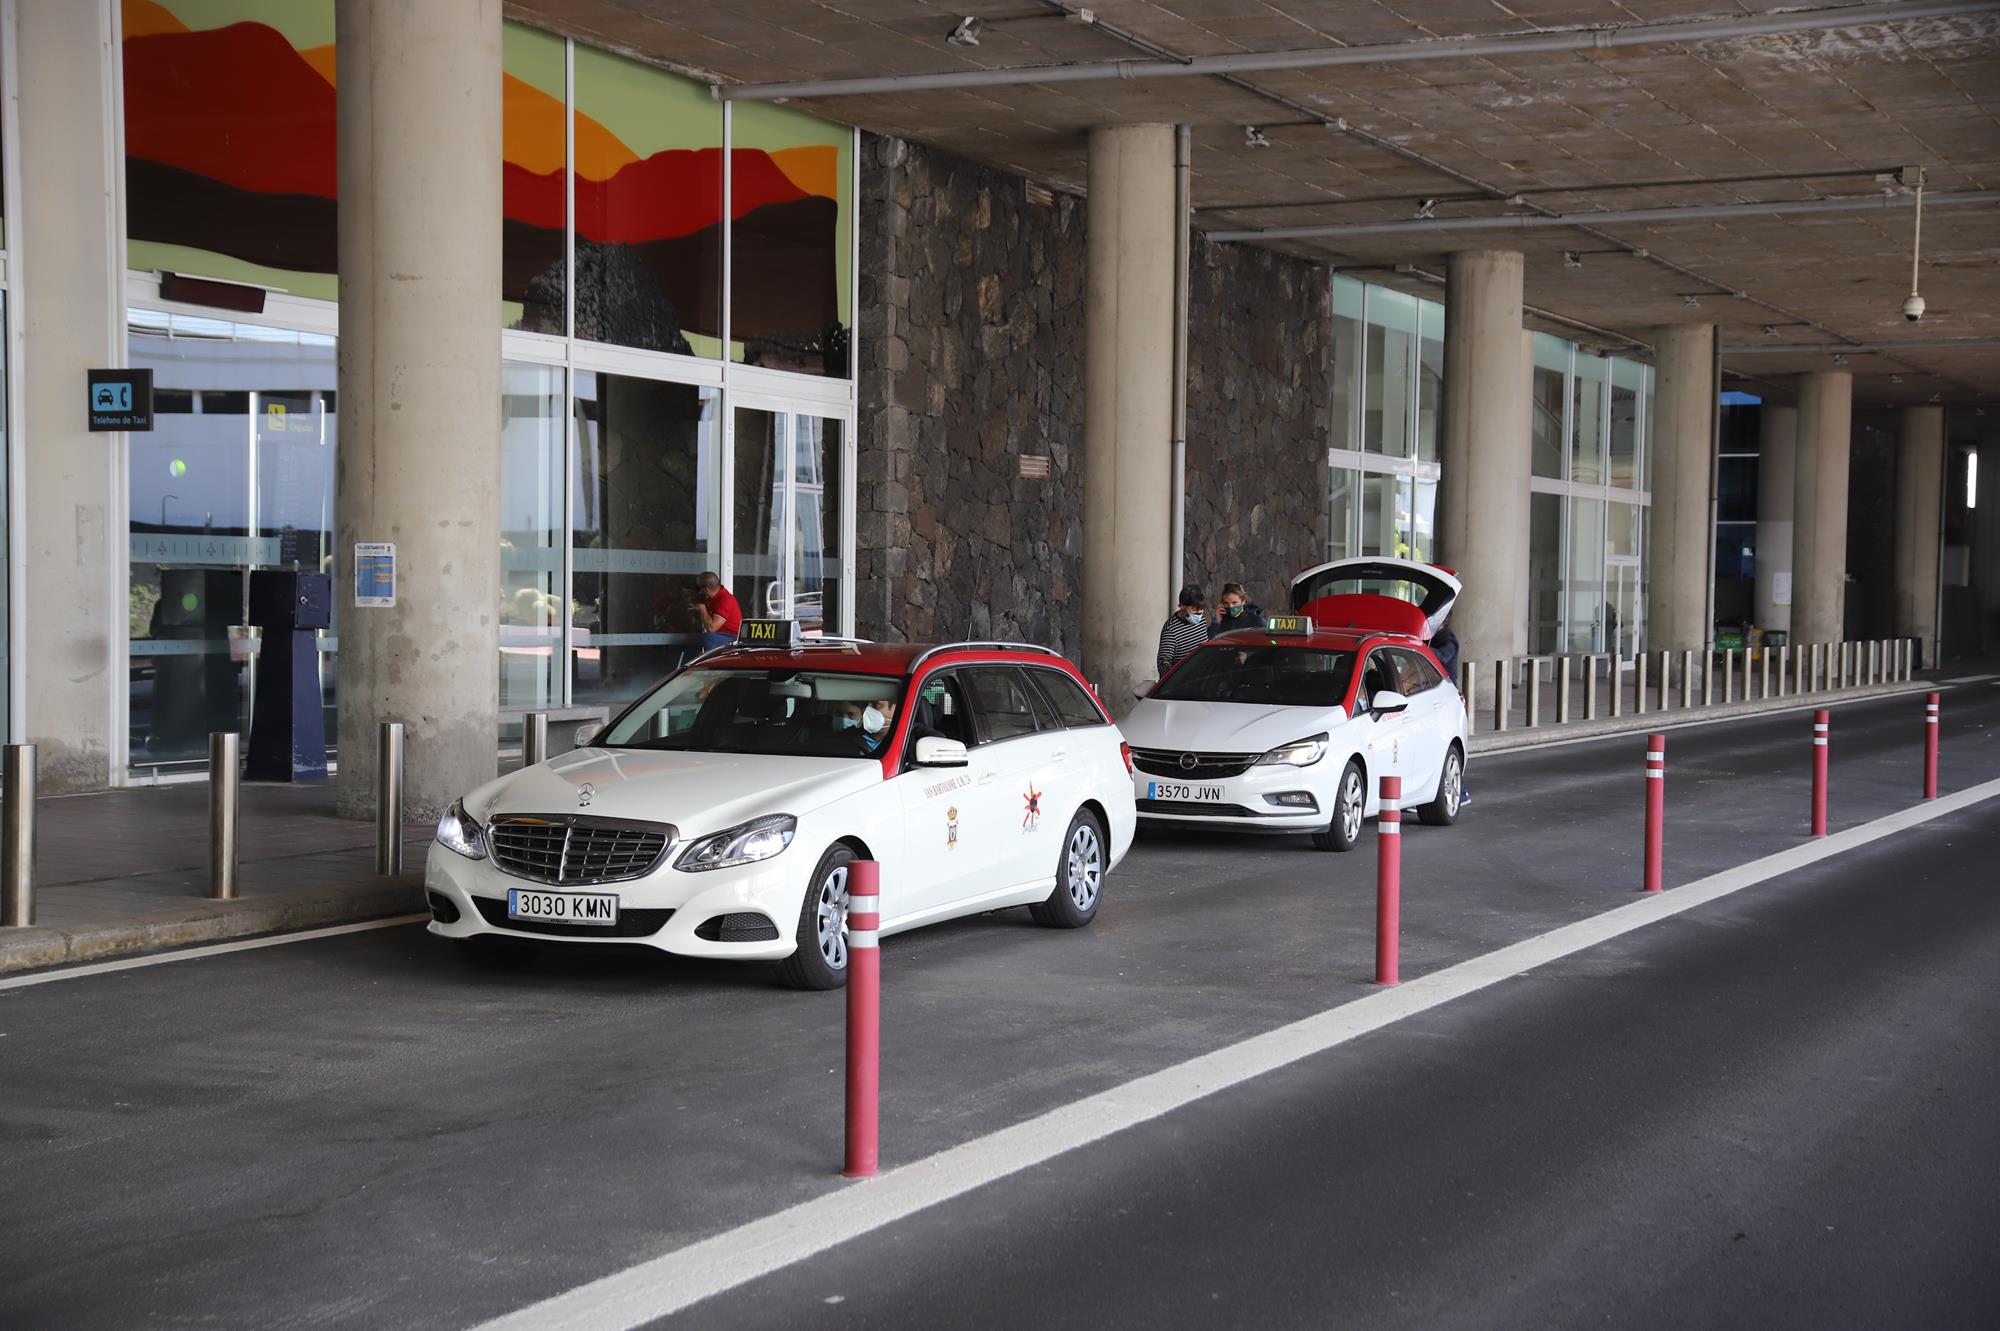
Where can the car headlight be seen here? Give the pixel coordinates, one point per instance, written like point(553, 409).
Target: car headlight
point(746, 843)
point(1299, 753)
point(459, 831)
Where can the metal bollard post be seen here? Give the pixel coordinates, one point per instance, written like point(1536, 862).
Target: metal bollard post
point(1707, 677)
point(17, 837)
point(1503, 695)
point(1728, 675)
point(389, 800)
point(224, 791)
point(864, 1018)
point(1687, 679)
point(1930, 745)
point(1764, 674)
point(1666, 700)
point(1534, 695)
point(1815, 671)
point(1617, 682)
point(1640, 662)
point(534, 738)
point(1656, 810)
point(1388, 880)
point(1819, 772)
point(1590, 688)
point(1562, 690)
point(1468, 688)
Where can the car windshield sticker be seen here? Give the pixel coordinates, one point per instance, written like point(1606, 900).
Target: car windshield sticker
point(951, 827)
point(1031, 816)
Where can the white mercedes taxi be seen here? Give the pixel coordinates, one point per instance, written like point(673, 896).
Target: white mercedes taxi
point(1290, 728)
point(717, 815)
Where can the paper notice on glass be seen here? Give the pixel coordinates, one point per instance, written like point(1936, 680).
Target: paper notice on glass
point(374, 575)
point(1781, 588)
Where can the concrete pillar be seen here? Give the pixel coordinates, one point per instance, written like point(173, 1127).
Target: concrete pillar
point(1128, 398)
point(1819, 507)
point(1682, 437)
point(1483, 453)
point(1919, 521)
point(419, 121)
point(1777, 446)
point(71, 300)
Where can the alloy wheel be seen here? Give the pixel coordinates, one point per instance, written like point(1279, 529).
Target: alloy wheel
point(831, 913)
point(1086, 865)
point(1351, 805)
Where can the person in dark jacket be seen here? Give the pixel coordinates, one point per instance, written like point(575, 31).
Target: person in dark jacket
point(1444, 644)
point(1184, 630)
point(1234, 611)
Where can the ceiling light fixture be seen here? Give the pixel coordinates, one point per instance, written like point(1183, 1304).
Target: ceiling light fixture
point(1254, 137)
point(1691, 301)
point(1571, 259)
point(1426, 208)
point(1770, 330)
point(966, 33)
point(1895, 378)
point(1839, 358)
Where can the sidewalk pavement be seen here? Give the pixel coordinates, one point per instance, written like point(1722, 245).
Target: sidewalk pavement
point(126, 871)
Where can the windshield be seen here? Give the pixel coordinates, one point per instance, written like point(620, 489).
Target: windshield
point(1281, 676)
point(793, 713)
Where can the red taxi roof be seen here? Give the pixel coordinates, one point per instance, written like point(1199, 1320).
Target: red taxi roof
point(1332, 639)
point(877, 658)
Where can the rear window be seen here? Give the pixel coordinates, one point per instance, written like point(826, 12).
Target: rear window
point(1071, 702)
point(1273, 676)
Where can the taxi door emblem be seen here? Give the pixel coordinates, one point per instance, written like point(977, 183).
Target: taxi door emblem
point(1031, 815)
point(951, 827)
point(583, 794)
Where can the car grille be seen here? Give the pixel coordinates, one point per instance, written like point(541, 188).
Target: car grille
point(631, 923)
point(743, 927)
point(1207, 766)
point(575, 851)
point(1197, 808)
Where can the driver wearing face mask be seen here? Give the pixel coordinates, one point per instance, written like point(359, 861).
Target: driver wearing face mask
point(1186, 629)
point(874, 722)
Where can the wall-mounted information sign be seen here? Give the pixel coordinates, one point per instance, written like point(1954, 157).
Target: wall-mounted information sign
point(120, 399)
point(374, 575)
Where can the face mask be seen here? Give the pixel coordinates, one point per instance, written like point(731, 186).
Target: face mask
point(873, 721)
point(1232, 610)
point(845, 723)
point(1192, 616)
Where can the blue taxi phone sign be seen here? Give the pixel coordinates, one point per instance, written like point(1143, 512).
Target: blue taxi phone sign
point(120, 399)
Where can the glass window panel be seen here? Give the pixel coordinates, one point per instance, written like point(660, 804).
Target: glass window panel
point(817, 522)
point(1340, 513)
point(759, 512)
point(1736, 489)
point(1622, 530)
point(1392, 329)
point(792, 230)
point(1547, 396)
point(648, 207)
point(1646, 419)
point(1423, 518)
point(1430, 377)
point(229, 141)
point(1585, 585)
point(534, 153)
point(531, 535)
point(1385, 515)
point(1586, 440)
point(644, 509)
point(1346, 362)
point(1627, 379)
point(1545, 514)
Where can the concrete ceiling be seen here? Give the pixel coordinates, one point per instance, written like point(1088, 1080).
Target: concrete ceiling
point(1751, 119)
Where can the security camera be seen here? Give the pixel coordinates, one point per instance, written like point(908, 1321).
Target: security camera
point(1913, 308)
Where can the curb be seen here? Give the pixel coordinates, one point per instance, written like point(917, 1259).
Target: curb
point(36, 947)
point(1550, 732)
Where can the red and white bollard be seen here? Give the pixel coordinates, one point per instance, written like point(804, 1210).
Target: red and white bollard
point(864, 1016)
point(1930, 745)
point(1388, 880)
point(1656, 808)
point(1819, 772)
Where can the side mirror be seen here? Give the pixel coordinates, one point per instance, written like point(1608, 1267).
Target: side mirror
point(584, 735)
point(1388, 702)
point(937, 751)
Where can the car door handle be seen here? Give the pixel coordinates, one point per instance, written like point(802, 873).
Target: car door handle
point(1059, 755)
point(986, 779)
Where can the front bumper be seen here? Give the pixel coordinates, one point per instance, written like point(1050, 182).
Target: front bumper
point(1248, 802)
point(661, 910)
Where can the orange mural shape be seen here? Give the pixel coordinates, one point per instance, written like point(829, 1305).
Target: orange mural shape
point(143, 18)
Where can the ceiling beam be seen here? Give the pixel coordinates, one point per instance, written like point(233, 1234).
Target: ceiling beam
point(1863, 348)
point(1441, 48)
point(1607, 217)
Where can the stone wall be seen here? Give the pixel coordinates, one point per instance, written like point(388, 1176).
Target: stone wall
point(971, 356)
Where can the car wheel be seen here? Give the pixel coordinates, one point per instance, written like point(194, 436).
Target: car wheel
point(820, 960)
point(1080, 869)
point(1443, 810)
point(498, 954)
point(1350, 807)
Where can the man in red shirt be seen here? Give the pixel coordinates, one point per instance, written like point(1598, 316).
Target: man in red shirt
point(721, 616)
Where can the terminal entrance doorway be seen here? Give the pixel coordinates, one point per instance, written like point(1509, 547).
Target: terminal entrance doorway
point(792, 513)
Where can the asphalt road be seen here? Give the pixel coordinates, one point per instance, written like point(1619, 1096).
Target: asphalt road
point(362, 1131)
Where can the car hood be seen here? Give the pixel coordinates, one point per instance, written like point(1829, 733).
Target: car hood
point(696, 792)
point(1223, 727)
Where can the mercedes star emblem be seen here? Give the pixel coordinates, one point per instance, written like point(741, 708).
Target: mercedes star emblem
point(583, 794)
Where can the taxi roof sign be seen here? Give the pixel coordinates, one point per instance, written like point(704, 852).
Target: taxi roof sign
point(769, 633)
point(1291, 625)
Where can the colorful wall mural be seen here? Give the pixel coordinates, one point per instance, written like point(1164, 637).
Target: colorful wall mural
point(231, 173)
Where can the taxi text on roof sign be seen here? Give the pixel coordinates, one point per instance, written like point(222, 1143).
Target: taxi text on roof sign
point(769, 632)
point(1289, 624)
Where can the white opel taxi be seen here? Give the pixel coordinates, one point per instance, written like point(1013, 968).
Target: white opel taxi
point(1290, 728)
point(717, 815)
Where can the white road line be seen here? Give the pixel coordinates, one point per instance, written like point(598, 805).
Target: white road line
point(196, 953)
point(678, 1279)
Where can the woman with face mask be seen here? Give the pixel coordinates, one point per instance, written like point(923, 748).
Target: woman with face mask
point(1235, 611)
point(1185, 629)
